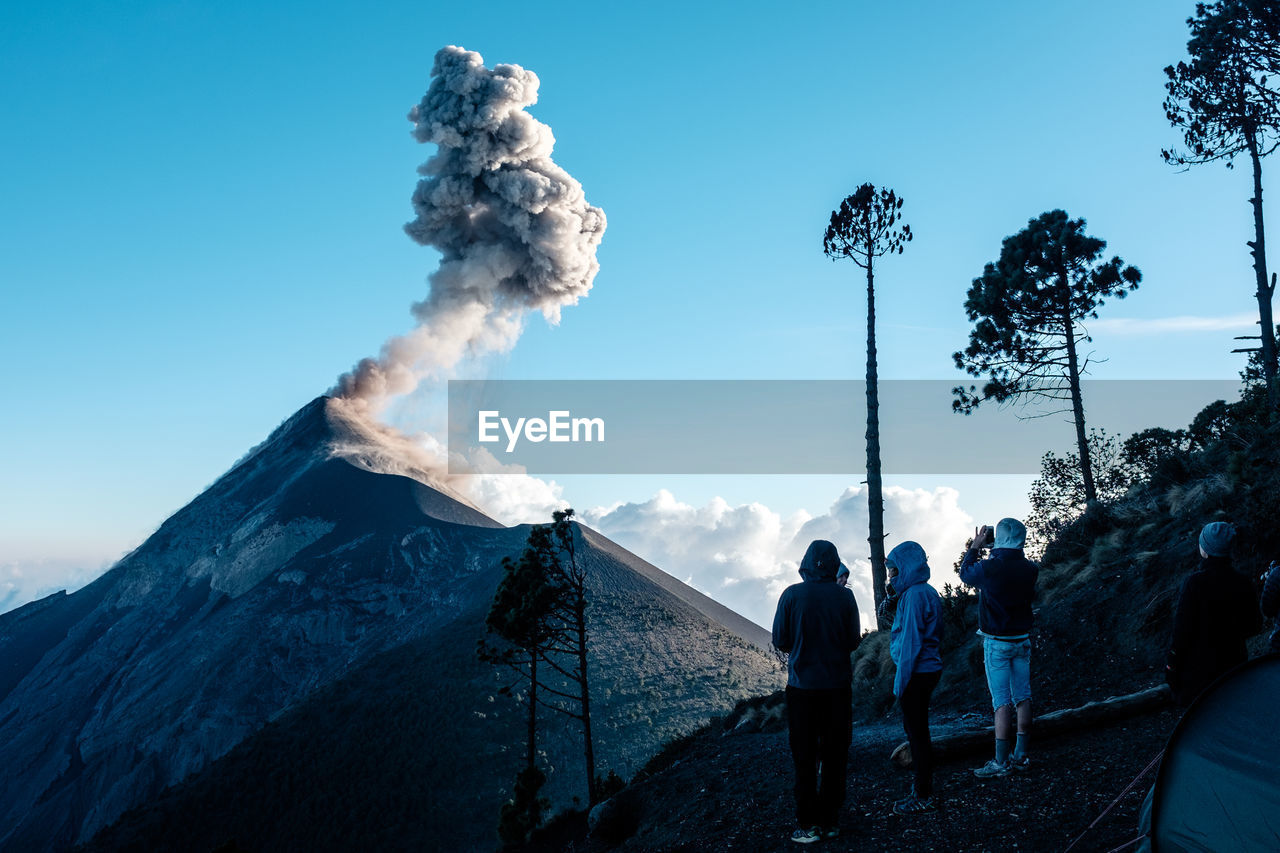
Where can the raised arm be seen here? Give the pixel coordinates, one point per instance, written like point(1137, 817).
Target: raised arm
point(971, 565)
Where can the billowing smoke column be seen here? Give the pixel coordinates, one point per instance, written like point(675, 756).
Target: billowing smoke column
point(514, 229)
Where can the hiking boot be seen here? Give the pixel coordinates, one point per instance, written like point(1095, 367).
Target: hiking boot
point(992, 768)
point(913, 805)
point(1020, 764)
point(807, 836)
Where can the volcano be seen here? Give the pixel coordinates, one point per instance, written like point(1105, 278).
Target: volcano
point(327, 570)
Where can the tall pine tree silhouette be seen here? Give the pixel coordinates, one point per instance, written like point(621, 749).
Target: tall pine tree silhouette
point(1225, 102)
point(867, 225)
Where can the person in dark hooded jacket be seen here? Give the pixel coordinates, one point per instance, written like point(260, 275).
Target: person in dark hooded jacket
point(817, 625)
point(914, 646)
point(1217, 612)
point(888, 609)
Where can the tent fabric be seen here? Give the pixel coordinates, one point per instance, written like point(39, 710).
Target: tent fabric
point(1218, 788)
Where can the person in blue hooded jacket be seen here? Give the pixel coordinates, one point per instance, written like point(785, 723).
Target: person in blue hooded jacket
point(817, 625)
point(1270, 601)
point(914, 646)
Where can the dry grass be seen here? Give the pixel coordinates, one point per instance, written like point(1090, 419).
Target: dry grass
point(1196, 497)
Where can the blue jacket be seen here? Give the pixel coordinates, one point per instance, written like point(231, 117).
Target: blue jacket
point(1271, 603)
point(817, 623)
point(917, 627)
point(1006, 584)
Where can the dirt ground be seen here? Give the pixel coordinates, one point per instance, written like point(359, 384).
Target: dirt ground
point(733, 793)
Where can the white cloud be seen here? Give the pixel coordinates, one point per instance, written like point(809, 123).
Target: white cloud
point(23, 581)
point(1172, 325)
point(506, 493)
point(744, 556)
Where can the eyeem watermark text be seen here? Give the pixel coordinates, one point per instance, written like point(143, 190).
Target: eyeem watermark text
point(791, 427)
point(558, 426)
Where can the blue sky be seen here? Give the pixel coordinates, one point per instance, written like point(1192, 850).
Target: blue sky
point(205, 201)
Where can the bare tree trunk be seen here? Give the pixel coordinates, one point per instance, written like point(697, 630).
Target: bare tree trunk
point(579, 581)
point(532, 756)
point(533, 709)
point(1077, 399)
point(875, 485)
point(1266, 288)
point(580, 613)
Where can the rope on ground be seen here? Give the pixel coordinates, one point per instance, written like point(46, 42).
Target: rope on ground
point(1127, 844)
point(1108, 809)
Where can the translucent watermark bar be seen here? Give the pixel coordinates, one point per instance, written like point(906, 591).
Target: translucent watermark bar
point(786, 426)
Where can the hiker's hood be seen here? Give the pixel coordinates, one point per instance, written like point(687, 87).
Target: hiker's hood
point(913, 566)
point(820, 562)
point(1010, 533)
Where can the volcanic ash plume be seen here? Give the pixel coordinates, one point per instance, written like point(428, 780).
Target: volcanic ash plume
point(514, 229)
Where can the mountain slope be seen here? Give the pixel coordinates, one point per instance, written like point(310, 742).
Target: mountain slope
point(387, 757)
point(322, 549)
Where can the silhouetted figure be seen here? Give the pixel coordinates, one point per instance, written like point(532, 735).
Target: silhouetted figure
point(1217, 612)
point(1006, 584)
point(914, 646)
point(817, 624)
point(887, 610)
point(1271, 602)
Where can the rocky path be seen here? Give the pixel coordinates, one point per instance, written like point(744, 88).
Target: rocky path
point(733, 793)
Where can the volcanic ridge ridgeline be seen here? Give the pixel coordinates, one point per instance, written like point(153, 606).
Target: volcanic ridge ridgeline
point(322, 586)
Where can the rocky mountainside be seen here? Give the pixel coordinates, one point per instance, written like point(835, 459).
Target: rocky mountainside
point(319, 560)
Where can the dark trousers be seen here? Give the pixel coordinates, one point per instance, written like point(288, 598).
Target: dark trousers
point(821, 726)
point(915, 720)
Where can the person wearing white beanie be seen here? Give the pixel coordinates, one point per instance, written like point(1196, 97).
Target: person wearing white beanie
point(1006, 584)
point(1217, 612)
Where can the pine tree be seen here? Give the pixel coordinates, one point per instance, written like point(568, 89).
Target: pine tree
point(519, 616)
point(572, 639)
point(1224, 102)
point(1028, 309)
point(540, 613)
point(865, 227)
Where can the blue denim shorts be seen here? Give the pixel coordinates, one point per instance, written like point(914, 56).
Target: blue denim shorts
point(1008, 670)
